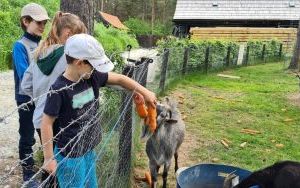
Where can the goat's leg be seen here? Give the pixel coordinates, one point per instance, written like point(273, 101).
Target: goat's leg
point(165, 173)
point(157, 168)
point(153, 170)
point(176, 161)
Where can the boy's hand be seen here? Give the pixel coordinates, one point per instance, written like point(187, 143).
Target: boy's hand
point(50, 166)
point(150, 98)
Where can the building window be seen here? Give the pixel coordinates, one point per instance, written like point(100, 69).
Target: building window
point(292, 3)
point(215, 4)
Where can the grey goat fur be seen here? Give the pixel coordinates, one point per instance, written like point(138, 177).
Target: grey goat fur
point(164, 143)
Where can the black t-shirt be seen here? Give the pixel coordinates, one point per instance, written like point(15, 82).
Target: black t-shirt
point(77, 113)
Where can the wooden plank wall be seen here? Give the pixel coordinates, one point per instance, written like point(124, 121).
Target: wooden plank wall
point(243, 34)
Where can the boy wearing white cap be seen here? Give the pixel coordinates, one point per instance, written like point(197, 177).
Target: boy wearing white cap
point(76, 111)
point(33, 20)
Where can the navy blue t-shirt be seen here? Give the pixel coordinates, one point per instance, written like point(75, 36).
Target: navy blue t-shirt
point(77, 113)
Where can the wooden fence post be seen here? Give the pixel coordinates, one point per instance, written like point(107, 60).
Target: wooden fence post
point(247, 55)
point(185, 60)
point(228, 56)
point(125, 140)
point(280, 50)
point(206, 62)
point(263, 54)
point(164, 70)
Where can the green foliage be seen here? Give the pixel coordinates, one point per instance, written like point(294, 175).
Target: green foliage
point(10, 30)
point(218, 51)
point(140, 27)
point(162, 29)
point(197, 51)
point(271, 48)
point(114, 41)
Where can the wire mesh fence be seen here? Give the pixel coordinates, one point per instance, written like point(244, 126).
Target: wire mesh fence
point(204, 58)
point(119, 125)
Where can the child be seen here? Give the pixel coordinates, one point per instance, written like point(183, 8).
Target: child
point(76, 111)
point(33, 20)
point(49, 62)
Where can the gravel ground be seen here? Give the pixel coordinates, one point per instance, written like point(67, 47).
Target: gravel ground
point(9, 136)
point(8, 131)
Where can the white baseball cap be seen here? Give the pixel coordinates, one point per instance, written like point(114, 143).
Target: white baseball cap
point(35, 11)
point(85, 47)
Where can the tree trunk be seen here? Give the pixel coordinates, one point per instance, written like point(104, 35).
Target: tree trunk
point(153, 16)
point(83, 8)
point(295, 59)
point(102, 5)
point(164, 12)
point(144, 9)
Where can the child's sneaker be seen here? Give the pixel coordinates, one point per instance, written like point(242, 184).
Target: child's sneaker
point(29, 182)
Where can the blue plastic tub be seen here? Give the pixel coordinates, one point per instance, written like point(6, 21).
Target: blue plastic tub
point(208, 176)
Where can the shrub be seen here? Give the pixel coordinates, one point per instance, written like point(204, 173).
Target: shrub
point(140, 27)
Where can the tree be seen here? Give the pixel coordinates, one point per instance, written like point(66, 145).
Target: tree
point(295, 59)
point(153, 15)
point(82, 8)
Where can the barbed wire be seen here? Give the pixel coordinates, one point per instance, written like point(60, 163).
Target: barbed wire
point(111, 132)
point(89, 124)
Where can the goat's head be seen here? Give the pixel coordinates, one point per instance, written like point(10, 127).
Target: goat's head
point(164, 115)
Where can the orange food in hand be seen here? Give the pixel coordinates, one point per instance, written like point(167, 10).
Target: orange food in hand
point(140, 105)
point(148, 178)
point(149, 114)
point(152, 118)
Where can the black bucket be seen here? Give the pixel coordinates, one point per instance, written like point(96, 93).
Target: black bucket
point(208, 176)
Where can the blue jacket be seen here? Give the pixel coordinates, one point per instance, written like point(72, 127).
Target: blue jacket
point(22, 56)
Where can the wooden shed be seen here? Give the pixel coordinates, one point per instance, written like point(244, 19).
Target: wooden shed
point(239, 20)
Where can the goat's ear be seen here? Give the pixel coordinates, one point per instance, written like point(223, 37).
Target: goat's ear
point(171, 121)
point(167, 100)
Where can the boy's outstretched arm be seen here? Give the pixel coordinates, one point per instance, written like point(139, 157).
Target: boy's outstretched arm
point(130, 84)
point(47, 136)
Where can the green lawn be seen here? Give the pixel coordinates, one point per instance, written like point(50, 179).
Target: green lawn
point(217, 108)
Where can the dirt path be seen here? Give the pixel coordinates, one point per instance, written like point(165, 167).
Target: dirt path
point(8, 131)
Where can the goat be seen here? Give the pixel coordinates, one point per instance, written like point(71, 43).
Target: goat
point(285, 174)
point(164, 143)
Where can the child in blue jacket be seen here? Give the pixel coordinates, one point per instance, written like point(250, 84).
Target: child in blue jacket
point(33, 20)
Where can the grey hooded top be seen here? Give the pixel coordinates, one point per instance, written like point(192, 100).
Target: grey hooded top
point(40, 75)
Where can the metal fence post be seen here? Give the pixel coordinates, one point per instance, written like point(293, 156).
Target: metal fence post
point(164, 70)
point(185, 60)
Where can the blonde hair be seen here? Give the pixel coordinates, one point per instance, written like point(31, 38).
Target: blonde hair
point(61, 21)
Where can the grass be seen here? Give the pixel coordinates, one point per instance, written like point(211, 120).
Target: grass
point(217, 108)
